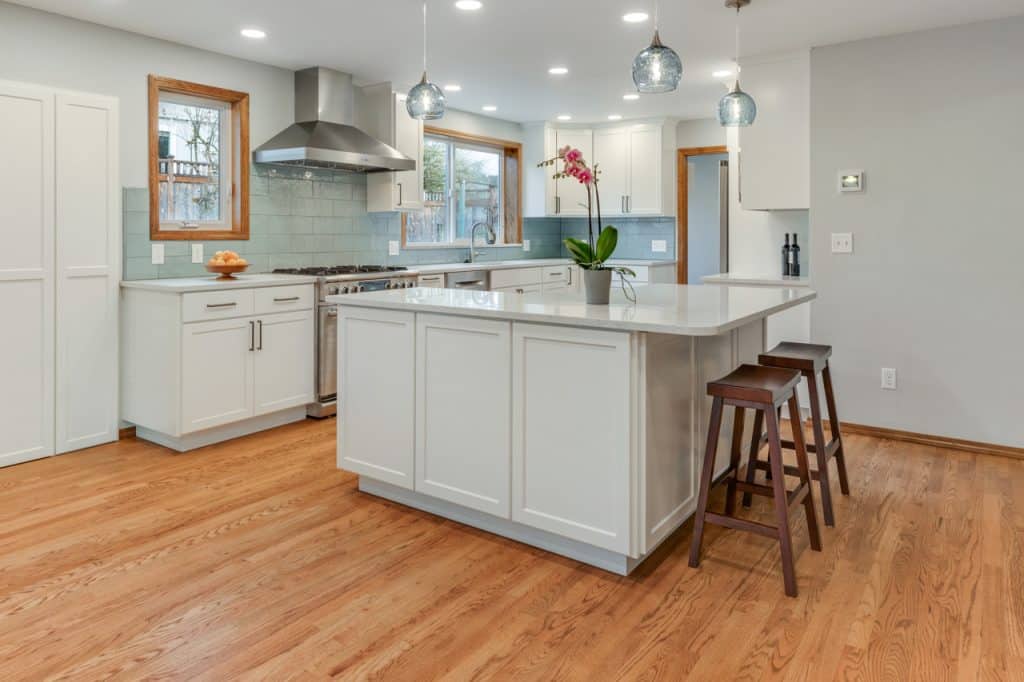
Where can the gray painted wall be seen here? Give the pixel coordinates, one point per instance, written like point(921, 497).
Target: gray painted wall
point(935, 287)
point(704, 217)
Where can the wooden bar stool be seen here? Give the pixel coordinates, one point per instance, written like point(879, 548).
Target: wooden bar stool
point(765, 390)
point(810, 360)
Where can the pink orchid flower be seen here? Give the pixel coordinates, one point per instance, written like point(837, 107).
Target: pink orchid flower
point(573, 155)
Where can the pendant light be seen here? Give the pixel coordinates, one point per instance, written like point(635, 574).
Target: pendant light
point(657, 68)
point(425, 101)
point(737, 109)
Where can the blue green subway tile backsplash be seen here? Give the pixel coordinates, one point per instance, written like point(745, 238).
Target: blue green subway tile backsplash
point(304, 218)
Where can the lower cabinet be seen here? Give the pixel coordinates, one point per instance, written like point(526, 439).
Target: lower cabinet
point(216, 373)
point(463, 376)
point(283, 361)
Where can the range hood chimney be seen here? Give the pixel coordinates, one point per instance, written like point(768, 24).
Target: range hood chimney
point(323, 135)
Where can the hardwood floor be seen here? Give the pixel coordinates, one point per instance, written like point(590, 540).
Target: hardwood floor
point(257, 559)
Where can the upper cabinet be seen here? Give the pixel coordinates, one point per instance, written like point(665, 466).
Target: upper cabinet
point(382, 114)
point(775, 152)
point(634, 161)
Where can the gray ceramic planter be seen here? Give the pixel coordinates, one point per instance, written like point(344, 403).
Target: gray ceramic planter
point(598, 286)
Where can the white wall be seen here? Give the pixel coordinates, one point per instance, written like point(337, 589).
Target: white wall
point(935, 287)
point(37, 47)
point(475, 124)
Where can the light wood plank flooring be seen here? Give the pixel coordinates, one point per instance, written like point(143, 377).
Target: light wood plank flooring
point(257, 559)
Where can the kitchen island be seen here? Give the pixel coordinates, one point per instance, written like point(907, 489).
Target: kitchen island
point(577, 429)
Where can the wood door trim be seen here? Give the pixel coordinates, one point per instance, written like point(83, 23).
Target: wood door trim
point(682, 207)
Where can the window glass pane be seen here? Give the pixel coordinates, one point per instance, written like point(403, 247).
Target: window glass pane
point(189, 149)
point(431, 226)
point(476, 190)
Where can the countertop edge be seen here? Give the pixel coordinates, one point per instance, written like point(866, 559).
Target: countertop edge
point(758, 280)
point(434, 268)
point(197, 284)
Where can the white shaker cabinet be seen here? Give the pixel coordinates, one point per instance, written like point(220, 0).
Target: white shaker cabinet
point(283, 362)
point(611, 153)
point(59, 266)
point(645, 172)
point(570, 194)
point(216, 368)
point(385, 117)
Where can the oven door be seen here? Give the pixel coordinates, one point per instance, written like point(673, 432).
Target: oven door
point(327, 353)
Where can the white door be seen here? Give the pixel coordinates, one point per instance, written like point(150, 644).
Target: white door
point(611, 152)
point(26, 273)
point(572, 195)
point(217, 372)
point(572, 450)
point(88, 225)
point(408, 140)
point(645, 170)
point(463, 376)
point(376, 393)
point(283, 372)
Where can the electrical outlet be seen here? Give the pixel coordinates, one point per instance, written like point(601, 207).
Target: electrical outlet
point(842, 242)
point(393, 248)
point(526, 245)
point(889, 378)
point(197, 253)
point(157, 254)
point(659, 246)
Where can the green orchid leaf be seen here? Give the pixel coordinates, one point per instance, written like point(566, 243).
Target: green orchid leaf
point(624, 271)
point(580, 250)
point(606, 244)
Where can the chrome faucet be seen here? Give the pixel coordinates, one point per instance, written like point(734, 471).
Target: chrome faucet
point(472, 239)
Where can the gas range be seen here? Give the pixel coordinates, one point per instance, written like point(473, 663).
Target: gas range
point(352, 279)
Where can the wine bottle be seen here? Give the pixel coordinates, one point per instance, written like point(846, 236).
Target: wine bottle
point(794, 258)
point(786, 257)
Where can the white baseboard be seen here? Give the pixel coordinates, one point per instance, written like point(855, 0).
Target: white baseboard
point(219, 434)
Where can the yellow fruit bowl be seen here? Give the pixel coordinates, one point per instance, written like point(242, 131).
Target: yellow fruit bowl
point(227, 271)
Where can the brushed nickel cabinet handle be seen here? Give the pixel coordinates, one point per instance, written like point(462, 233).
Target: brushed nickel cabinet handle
point(252, 336)
point(220, 305)
point(286, 299)
point(260, 323)
point(399, 194)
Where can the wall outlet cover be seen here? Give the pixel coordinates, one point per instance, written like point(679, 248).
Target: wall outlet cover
point(659, 246)
point(889, 378)
point(393, 248)
point(842, 242)
point(197, 253)
point(526, 245)
point(157, 254)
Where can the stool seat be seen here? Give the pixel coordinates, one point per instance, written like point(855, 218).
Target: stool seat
point(806, 357)
point(754, 383)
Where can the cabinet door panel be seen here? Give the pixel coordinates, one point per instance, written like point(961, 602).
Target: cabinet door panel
point(572, 449)
point(26, 274)
point(376, 393)
point(645, 170)
point(572, 195)
point(283, 373)
point(409, 141)
point(462, 420)
point(216, 370)
point(611, 151)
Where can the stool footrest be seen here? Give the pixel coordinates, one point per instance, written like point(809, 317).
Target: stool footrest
point(789, 469)
point(742, 524)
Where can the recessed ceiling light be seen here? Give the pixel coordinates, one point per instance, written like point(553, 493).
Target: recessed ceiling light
point(453, 87)
point(615, 117)
point(490, 107)
point(469, 5)
point(558, 70)
point(724, 73)
point(254, 33)
point(631, 96)
point(565, 117)
point(635, 17)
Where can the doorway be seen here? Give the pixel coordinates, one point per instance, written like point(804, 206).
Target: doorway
point(702, 213)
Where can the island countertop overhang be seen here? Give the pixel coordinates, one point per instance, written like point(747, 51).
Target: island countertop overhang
point(660, 308)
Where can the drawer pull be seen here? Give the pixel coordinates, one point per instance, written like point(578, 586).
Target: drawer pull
point(213, 306)
point(556, 274)
point(287, 299)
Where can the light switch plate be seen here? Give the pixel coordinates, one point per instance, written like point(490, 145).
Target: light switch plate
point(157, 254)
point(526, 245)
point(393, 248)
point(889, 378)
point(842, 242)
point(659, 246)
point(197, 253)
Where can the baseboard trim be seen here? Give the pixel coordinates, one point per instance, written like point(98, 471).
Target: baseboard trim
point(126, 432)
point(935, 441)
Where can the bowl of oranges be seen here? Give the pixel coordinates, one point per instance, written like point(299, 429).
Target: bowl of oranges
point(227, 264)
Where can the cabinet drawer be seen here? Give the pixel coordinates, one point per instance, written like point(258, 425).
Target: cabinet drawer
point(501, 279)
point(216, 305)
point(283, 299)
point(432, 281)
point(642, 274)
point(556, 273)
point(521, 289)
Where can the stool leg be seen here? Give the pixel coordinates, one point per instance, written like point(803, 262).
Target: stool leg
point(781, 502)
point(778, 412)
point(755, 450)
point(833, 420)
point(820, 449)
point(734, 460)
point(805, 476)
point(706, 474)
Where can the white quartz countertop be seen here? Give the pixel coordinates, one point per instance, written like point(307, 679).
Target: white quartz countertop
point(522, 263)
point(757, 280)
point(660, 308)
point(211, 283)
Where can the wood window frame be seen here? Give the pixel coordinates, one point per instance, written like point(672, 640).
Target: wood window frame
point(683, 208)
point(239, 102)
point(512, 151)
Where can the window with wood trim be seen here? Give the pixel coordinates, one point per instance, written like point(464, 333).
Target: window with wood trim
point(467, 180)
point(198, 161)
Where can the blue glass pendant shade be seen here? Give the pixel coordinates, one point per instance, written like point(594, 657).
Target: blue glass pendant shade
point(737, 109)
point(657, 68)
point(426, 101)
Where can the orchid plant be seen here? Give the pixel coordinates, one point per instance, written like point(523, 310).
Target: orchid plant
point(593, 253)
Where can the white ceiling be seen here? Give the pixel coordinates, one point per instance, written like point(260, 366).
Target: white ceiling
point(500, 54)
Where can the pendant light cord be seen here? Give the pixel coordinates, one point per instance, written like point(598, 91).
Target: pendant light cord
point(424, 37)
point(656, 4)
point(737, 45)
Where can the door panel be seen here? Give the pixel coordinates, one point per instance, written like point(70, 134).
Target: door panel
point(572, 195)
point(611, 151)
point(645, 170)
point(283, 361)
point(217, 373)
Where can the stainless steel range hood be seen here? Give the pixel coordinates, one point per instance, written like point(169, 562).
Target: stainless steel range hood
point(324, 136)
